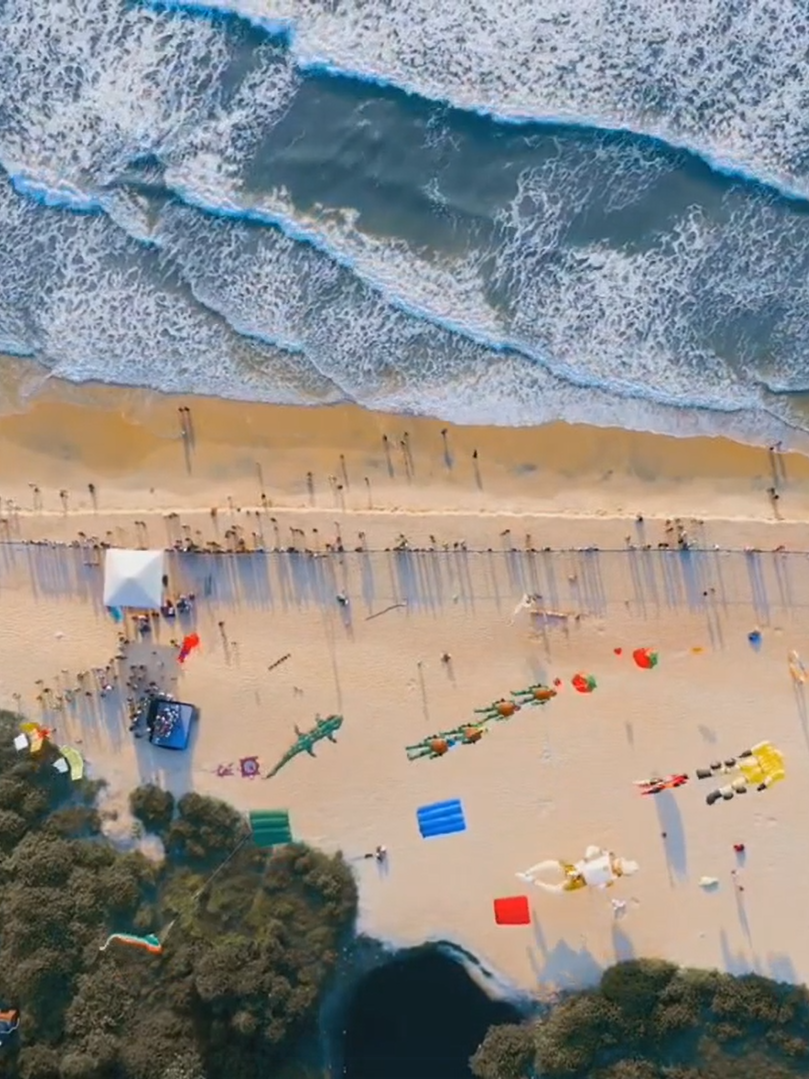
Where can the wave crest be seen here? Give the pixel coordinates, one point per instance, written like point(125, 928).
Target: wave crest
point(251, 233)
point(723, 79)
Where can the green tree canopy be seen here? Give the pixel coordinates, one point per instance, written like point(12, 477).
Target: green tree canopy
point(250, 938)
point(649, 1019)
point(153, 807)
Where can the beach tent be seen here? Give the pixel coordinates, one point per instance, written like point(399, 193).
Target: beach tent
point(133, 578)
point(270, 827)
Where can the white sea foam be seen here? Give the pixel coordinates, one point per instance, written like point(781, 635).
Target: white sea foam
point(616, 325)
point(726, 79)
point(88, 86)
point(90, 303)
point(636, 323)
point(517, 323)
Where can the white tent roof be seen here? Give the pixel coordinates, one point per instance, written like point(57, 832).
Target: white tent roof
point(133, 578)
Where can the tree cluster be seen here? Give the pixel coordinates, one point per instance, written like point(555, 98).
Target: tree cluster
point(649, 1019)
point(250, 938)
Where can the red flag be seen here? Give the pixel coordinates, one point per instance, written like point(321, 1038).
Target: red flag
point(189, 644)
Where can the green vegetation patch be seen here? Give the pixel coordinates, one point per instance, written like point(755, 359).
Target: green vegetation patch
point(649, 1019)
point(250, 937)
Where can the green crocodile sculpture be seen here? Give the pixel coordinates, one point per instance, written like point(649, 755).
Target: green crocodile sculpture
point(307, 740)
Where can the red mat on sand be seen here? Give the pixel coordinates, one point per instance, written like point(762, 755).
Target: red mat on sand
point(512, 910)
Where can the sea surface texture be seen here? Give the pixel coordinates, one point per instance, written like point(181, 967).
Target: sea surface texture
point(493, 211)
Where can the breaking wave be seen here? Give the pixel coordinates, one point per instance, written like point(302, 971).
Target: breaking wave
point(190, 203)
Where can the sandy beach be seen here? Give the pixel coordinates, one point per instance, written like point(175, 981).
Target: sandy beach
point(478, 508)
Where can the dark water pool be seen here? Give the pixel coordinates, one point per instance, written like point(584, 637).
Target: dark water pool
point(420, 1016)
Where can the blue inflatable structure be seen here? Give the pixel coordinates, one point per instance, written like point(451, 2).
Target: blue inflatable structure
point(441, 818)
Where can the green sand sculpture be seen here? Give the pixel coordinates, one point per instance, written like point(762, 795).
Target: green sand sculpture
point(498, 710)
point(307, 740)
point(537, 694)
point(436, 745)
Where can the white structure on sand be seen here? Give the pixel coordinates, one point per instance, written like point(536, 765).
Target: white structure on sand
point(133, 578)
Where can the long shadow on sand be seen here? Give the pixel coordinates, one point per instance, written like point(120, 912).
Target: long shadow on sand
point(776, 965)
point(167, 768)
point(565, 966)
point(622, 944)
point(803, 711)
point(735, 962)
point(671, 822)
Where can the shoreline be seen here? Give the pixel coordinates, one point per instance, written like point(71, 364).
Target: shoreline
point(129, 444)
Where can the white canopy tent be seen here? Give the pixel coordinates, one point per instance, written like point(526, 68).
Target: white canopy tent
point(133, 578)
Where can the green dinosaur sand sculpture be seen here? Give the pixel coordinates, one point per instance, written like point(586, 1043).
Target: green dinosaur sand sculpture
point(536, 694)
point(436, 745)
point(498, 710)
point(307, 740)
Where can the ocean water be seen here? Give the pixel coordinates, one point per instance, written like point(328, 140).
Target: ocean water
point(492, 211)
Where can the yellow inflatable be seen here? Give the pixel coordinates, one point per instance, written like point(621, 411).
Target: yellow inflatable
point(597, 869)
point(764, 767)
point(36, 735)
point(74, 760)
point(757, 769)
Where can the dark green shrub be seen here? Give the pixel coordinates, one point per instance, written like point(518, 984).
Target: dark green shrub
point(153, 807)
point(507, 1052)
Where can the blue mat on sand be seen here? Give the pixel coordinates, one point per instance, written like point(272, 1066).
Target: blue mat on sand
point(441, 818)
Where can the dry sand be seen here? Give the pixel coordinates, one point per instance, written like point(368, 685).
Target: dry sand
point(546, 783)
